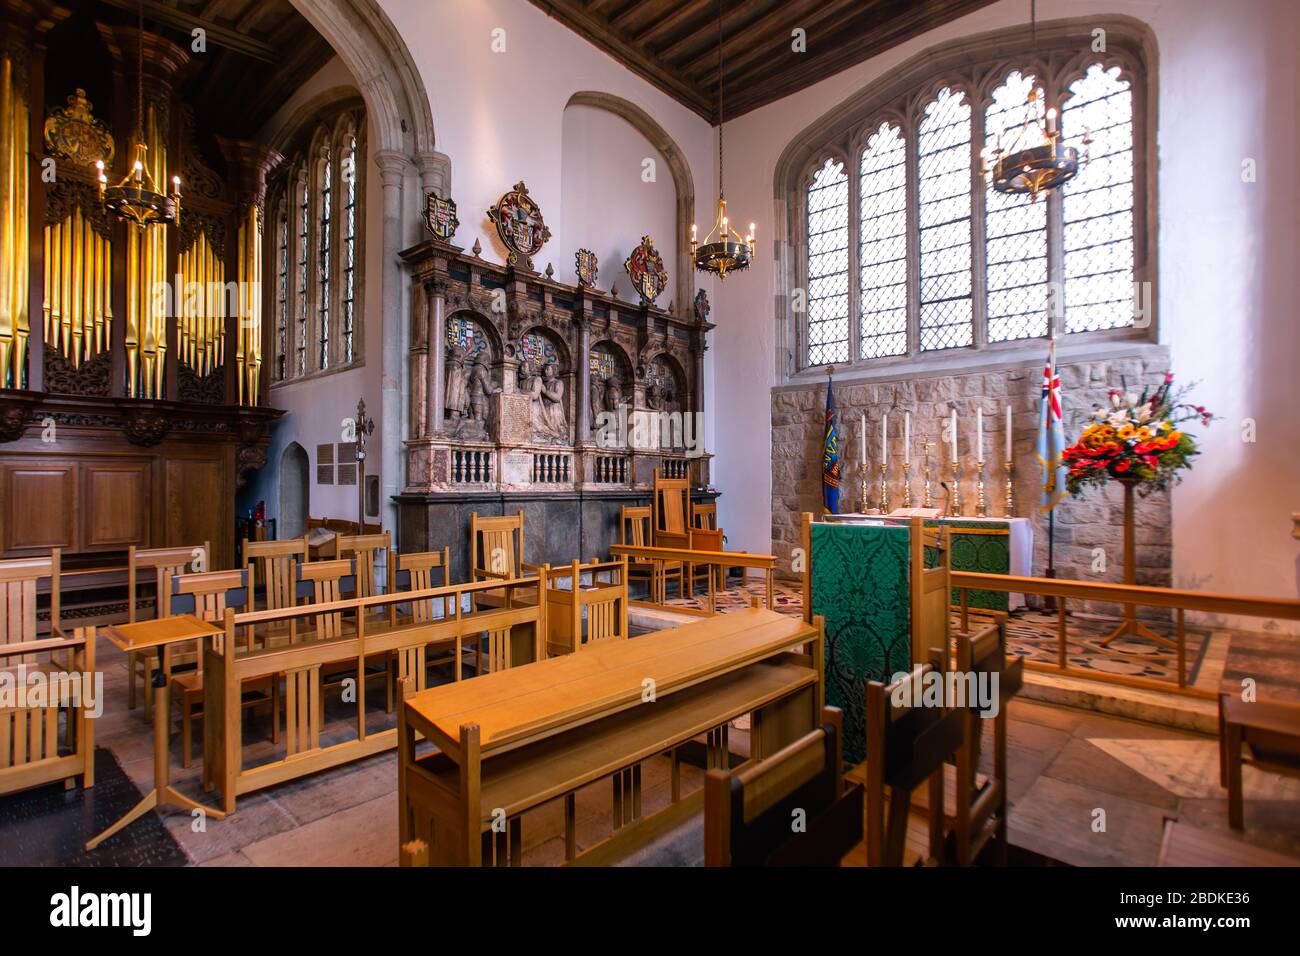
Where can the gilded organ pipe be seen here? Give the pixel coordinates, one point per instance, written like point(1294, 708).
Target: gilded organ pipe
point(14, 278)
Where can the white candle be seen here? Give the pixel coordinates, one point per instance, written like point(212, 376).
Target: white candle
point(1008, 458)
point(979, 434)
point(862, 440)
point(907, 437)
point(884, 438)
point(953, 435)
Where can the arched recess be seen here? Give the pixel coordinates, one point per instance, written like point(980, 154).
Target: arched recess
point(645, 124)
point(294, 491)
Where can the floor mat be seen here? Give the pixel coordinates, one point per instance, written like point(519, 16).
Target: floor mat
point(49, 826)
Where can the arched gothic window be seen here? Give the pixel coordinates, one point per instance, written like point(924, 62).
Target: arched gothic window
point(317, 201)
point(943, 264)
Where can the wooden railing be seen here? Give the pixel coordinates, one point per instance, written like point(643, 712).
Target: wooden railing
point(288, 644)
point(1176, 600)
point(690, 559)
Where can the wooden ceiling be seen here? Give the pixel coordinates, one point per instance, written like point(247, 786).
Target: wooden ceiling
point(674, 43)
point(258, 53)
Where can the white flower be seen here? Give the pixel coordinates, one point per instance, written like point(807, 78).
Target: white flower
point(1130, 399)
point(1119, 419)
point(1144, 413)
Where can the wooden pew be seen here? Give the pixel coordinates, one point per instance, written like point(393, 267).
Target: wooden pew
point(906, 747)
point(748, 814)
point(981, 808)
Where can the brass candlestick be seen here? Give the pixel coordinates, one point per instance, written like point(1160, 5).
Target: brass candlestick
point(907, 484)
point(864, 488)
point(1011, 491)
point(954, 493)
point(927, 496)
point(883, 502)
point(981, 509)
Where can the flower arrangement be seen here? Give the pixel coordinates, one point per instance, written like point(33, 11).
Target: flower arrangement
point(1136, 438)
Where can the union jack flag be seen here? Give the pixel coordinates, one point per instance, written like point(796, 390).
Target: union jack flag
point(1051, 435)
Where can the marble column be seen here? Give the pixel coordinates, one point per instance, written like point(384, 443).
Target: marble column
point(437, 345)
point(584, 385)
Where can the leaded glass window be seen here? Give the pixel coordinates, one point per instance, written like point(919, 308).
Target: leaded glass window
point(1015, 227)
point(828, 265)
point(943, 216)
point(1098, 204)
point(882, 249)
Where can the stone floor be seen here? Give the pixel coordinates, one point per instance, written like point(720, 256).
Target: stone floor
point(1085, 789)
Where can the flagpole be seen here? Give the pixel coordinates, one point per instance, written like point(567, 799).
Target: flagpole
point(1050, 602)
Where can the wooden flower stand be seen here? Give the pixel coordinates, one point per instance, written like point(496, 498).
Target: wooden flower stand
point(1130, 624)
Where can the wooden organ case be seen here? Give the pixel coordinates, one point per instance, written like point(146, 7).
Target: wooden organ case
point(132, 378)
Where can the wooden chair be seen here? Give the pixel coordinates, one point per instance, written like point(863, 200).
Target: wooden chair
point(272, 563)
point(981, 808)
point(18, 585)
point(165, 563)
point(415, 571)
point(1271, 728)
point(31, 752)
point(907, 745)
point(602, 605)
point(635, 527)
point(748, 814)
point(206, 595)
point(704, 517)
point(706, 539)
point(365, 548)
point(497, 552)
point(325, 582)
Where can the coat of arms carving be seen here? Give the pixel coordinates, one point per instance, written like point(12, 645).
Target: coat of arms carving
point(73, 133)
point(440, 216)
point(646, 269)
point(585, 264)
point(519, 223)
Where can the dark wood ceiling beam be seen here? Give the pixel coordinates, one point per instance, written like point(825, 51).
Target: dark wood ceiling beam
point(684, 11)
point(216, 33)
point(596, 31)
point(702, 39)
point(778, 25)
point(825, 20)
point(862, 45)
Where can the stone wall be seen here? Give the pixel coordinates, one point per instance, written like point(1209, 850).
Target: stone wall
point(1082, 524)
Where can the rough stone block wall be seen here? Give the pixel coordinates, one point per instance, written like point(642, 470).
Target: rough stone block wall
point(1095, 521)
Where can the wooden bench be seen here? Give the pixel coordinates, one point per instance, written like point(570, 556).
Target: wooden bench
point(1270, 728)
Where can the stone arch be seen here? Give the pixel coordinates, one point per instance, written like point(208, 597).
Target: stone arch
point(401, 121)
point(684, 271)
point(294, 491)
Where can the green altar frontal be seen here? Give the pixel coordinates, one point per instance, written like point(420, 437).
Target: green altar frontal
point(860, 586)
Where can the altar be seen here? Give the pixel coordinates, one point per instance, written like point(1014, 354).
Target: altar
point(859, 574)
point(981, 545)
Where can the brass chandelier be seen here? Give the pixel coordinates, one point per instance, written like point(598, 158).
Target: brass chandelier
point(1033, 161)
point(137, 198)
point(723, 249)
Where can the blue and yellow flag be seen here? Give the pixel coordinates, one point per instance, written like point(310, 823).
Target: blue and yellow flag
point(831, 455)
